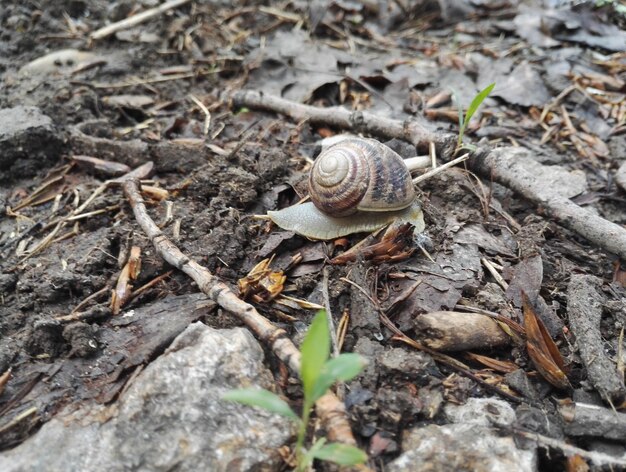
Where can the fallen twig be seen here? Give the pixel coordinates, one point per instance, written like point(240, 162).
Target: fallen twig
point(408, 130)
point(136, 19)
point(506, 166)
point(457, 331)
point(329, 408)
point(584, 309)
point(598, 458)
point(503, 165)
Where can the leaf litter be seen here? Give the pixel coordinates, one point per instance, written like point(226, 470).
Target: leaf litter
point(559, 90)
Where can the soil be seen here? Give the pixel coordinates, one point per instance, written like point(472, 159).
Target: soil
point(55, 313)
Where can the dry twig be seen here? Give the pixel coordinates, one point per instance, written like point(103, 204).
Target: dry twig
point(330, 410)
point(359, 121)
point(136, 19)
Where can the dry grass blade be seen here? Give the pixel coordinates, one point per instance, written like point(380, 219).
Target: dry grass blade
point(52, 186)
point(541, 348)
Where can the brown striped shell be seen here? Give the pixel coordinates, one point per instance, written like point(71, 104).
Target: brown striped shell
point(360, 174)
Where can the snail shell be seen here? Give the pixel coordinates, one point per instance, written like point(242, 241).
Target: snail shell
point(359, 174)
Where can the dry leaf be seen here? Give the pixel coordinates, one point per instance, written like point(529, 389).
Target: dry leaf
point(541, 348)
point(576, 463)
point(124, 288)
point(395, 245)
point(262, 284)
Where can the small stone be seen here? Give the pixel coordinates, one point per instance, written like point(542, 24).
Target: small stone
point(481, 411)
point(29, 142)
point(519, 381)
point(397, 405)
point(7, 282)
point(464, 446)
point(538, 421)
point(82, 338)
point(409, 365)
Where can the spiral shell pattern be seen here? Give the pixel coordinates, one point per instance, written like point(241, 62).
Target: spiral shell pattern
point(360, 174)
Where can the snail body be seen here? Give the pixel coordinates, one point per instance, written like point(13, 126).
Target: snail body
point(307, 220)
point(356, 185)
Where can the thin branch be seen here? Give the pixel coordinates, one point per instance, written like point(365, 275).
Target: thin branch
point(329, 408)
point(359, 121)
point(136, 19)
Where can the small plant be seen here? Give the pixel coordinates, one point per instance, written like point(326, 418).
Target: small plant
point(463, 121)
point(318, 373)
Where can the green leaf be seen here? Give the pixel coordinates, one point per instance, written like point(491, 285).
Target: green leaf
point(478, 100)
point(315, 351)
point(469, 147)
point(343, 367)
point(342, 454)
point(261, 398)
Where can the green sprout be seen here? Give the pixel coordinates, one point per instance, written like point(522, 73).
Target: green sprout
point(463, 121)
point(317, 373)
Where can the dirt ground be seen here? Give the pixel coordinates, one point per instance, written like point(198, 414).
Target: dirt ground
point(135, 96)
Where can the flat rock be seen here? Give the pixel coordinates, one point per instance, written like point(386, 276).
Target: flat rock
point(171, 417)
point(29, 141)
point(463, 446)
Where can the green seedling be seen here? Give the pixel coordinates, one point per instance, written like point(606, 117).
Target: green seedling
point(318, 373)
point(463, 121)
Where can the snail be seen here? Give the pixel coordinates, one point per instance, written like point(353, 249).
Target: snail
point(356, 185)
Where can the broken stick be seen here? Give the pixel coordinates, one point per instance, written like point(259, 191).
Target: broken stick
point(456, 331)
point(358, 121)
point(329, 408)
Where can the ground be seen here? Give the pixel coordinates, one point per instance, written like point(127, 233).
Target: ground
point(163, 91)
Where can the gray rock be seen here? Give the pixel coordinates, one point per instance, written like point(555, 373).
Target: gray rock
point(539, 421)
point(29, 141)
point(413, 365)
point(370, 350)
point(461, 447)
point(518, 380)
point(171, 417)
point(481, 411)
